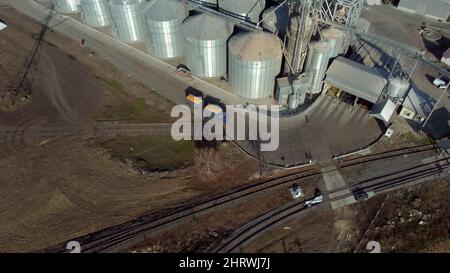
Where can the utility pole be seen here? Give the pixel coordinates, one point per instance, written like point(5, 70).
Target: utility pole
point(23, 80)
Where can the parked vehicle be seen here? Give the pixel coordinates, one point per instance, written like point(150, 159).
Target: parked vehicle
point(360, 195)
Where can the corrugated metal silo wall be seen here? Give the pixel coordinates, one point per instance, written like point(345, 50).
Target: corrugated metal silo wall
point(316, 66)
point(67, 6)
point(129, 22)
point(207, 59)
point(253, 79)
point(96, 13)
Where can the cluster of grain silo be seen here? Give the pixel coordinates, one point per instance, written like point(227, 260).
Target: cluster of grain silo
point(206, 45)
point(67, 6)
point(128, 20)
point(96, 13)
point(164, 19)
point(254, 61)
point(251, 61)
point(249, 10)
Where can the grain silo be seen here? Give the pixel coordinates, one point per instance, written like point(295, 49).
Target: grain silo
point(249, 10)
point(128, 20)
point(335, 38)
point(276, 19)
point(67, 6)
point(316, 65)
point(206, 45)
point(96, 13)
point(254, 60)
point(298, 40)
point(164, 19)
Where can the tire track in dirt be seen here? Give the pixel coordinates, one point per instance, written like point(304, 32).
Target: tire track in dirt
point(53, 88)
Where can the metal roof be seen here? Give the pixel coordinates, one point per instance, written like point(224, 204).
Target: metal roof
point(383, 110)
point(255, 46)
point(332, 33)
point(438, 9)
point(356, 79)
point(165, 10)
point(206, 27)
point(419, 102)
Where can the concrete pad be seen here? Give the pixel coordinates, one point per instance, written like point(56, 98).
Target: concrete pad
point(339, 193)
point(333, 180)
point(343, 202)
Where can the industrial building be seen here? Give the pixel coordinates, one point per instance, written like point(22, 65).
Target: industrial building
point(295, 54)
point(276, 52)
point(355, 78)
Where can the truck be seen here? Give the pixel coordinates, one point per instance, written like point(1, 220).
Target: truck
point(318, 198)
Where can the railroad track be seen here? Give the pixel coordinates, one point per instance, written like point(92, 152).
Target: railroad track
point(127, 234)
point(252, 230)
point(387, 155)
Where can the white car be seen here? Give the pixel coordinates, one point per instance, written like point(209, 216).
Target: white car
point(441, 83)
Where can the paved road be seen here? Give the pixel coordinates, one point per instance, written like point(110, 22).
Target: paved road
point(159, 76)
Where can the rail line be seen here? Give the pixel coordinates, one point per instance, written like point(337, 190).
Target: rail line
point(255, 228)
point(124, 235)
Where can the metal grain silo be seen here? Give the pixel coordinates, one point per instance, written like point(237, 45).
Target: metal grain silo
point(164, 19)
point(254, 60)
point(276, 19)
point(96, 13)
point(206, 45)
point(209, 3)
point(67, 6)
point(316, 65)
point(245, 9)
point(335, 38)
point(298, 39)
point(128, 20)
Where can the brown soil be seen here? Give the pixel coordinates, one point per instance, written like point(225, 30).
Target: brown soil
point(56, 187)
point(411, 220)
